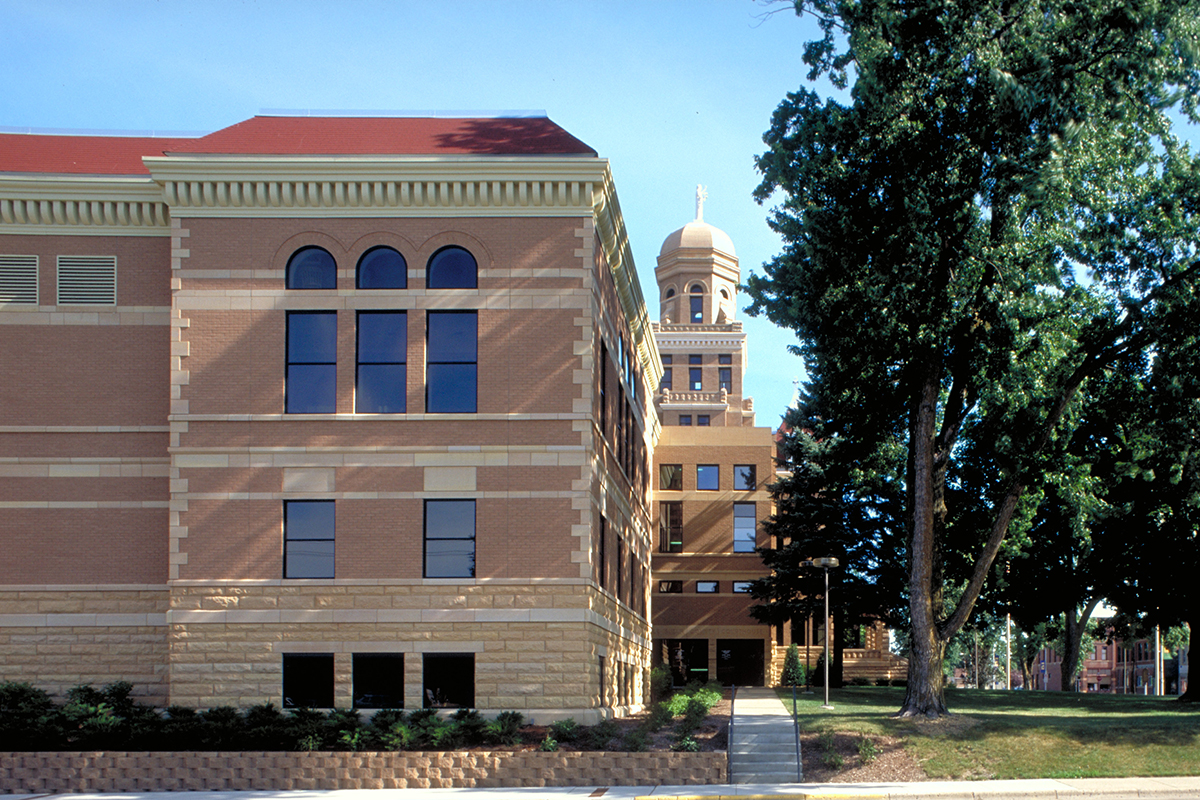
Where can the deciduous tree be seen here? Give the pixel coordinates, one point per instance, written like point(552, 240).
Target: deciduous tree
point(997, 216)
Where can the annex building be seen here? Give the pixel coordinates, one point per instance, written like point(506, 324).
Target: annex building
point(325, 411)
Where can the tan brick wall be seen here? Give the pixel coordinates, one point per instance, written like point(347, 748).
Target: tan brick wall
point(36, 773)
point(536, 646)
point(56, 637)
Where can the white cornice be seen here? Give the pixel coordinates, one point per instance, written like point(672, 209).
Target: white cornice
point(378, 186)
point(125, 205)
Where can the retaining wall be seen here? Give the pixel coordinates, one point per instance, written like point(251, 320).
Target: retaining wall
point(58, 772)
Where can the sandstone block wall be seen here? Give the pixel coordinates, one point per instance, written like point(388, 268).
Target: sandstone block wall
point(35, 773)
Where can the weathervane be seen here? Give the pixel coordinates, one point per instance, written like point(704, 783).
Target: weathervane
point(701, 196)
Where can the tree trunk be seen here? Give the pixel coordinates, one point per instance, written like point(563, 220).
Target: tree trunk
point(837, 646)
point(1191, 695)
point(1069, 668)
point(926, 696)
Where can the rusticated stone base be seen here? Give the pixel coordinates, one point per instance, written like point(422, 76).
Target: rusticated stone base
point(59, 772)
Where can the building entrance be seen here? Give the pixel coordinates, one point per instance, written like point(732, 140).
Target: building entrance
point(740, 662)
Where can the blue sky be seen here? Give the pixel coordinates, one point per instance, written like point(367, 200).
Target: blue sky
point(673, 92)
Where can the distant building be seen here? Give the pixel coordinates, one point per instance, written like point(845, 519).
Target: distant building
point(1114, 666)
point(712, 469)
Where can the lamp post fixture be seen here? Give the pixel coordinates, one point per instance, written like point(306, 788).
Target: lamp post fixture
point(825, 564)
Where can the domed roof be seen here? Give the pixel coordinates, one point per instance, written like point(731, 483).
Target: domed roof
point(699, 235)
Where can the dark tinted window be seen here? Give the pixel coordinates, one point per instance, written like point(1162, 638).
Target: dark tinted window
point(382, 350)
point(451, 354)
point(308, 538)
point(378, 680)
point(311, 362)
point(694, 382)
point(308, 680)
point(685, 420)
point(451, 268)
point(666, 379)
point(670, 527)
point(311, 268)
point(449, 680)
point(697, 308)
point(725, 379)
point(449, 538)
point(708, 477)
point(703, 420)
point(707, 587)
point(382, 268)
point(670, 587)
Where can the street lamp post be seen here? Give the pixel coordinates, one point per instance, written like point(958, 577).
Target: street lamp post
point(825, 564)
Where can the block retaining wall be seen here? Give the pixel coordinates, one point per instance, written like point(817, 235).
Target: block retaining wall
point(60, 772)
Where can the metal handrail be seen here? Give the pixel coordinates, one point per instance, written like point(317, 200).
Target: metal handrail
point(796, 726)
point(729, 736)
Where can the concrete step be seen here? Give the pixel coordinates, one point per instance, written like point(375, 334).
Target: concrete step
point(766, 778)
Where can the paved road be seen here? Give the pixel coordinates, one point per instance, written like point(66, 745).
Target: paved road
point(1100, 788)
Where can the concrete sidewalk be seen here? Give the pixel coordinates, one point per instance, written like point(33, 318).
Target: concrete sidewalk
point(1105, 788)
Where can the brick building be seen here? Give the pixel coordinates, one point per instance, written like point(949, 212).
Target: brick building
point(713, 469)
point(325, 411)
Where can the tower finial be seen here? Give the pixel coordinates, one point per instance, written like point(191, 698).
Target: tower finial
point(701, 196)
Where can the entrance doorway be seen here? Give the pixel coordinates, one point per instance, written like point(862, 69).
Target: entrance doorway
point(740, 662)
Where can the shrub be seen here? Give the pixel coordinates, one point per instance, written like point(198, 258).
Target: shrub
point(881, 681)
point(833, 761)
point(398, 737)
point(548, 745)
point(635, 741)
point(565, 730)
point(793, 671)
point(868, 751)
point(344, 730)
point(686, 744)
point(28, 718)
point(221, 728)
point(659, 716)
point(599, 736)
point(266, 728)
point(471, 726)
point(505, 728)
point(660, 684)
point(303, 729)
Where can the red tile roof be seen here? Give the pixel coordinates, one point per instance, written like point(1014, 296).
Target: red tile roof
point(78, 155)
point(122, 155)
point(389, 136)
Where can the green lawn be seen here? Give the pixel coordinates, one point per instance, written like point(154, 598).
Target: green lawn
point(994, 734)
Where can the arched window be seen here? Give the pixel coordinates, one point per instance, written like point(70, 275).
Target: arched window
point(724, 294)
point(382, 268)
point(451, 268)
point(697, 304)
point(311, 268)
point(670, 293)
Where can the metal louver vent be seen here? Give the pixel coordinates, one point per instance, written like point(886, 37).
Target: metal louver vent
point(87, 280)
point(19, 280)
